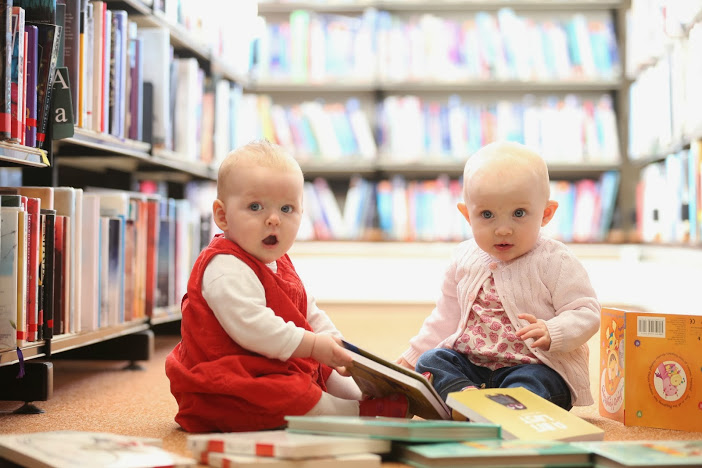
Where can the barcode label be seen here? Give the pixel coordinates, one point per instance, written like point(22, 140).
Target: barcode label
point(651, 326)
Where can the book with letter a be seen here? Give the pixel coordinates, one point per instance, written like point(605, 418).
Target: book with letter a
point(522, 415)
point(378, 377)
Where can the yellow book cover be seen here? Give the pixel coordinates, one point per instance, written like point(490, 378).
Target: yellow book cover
point(522, 415)
point(649, 369)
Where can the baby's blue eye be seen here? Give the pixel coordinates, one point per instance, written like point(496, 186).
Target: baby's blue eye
point(520, 213)
point(486, 214)
point(287, 209)
point(255, 207)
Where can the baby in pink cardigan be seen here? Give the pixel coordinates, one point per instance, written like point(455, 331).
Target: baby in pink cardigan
point(516, 308)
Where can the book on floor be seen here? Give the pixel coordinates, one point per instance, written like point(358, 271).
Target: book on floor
point(226, 460)
point(639, 453)
point(283, 444)
point(399, 429)
point(378, 377)
point(74, 449)
point(494, 453)
point(522, 414)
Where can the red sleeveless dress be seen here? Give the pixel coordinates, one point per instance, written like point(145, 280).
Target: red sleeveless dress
point(219, 385)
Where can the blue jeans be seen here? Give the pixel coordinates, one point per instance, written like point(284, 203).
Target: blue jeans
point(452, 371)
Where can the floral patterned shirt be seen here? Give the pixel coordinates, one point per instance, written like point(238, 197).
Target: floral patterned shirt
point(489, 338)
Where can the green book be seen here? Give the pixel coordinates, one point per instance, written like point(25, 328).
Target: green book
point(399, 429)
point(495, 453)
point(658, 453)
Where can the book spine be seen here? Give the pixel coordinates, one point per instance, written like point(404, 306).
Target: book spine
point(33, 255)
point(30, 136)
point(48, 40)
point(71, 52)
point(5, 69)
point(17, 90)
point(48, 218)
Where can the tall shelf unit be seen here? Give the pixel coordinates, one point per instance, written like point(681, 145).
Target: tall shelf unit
point(98, 159)
point(289, 89)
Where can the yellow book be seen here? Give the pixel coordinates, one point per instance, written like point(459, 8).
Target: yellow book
point(522, 415)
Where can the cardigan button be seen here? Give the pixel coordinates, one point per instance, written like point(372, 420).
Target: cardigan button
point(492, 266)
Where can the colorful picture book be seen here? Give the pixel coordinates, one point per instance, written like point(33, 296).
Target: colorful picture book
point(400, 429)
point(378, 377)
point(227, 460)
point(639, 453)
point(522, 415)
point(649, 369)
point(72, 449)
point(283, 444)
point(494, 453)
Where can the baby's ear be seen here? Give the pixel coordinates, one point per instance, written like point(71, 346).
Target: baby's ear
point(549, 211)
point(220, 216)
point(464, 211)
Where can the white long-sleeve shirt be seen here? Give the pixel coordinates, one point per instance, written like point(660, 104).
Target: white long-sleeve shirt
point(238, 300)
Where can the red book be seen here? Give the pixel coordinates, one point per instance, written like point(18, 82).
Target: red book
point(59, 277)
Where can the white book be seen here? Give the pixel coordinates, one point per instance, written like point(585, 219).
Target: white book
point(225, 460)
point(90, 262)
point(76, 449)
point(188, 96)
point(9, 240)
point(283, 444)
point(65, 205)
point(157, 66)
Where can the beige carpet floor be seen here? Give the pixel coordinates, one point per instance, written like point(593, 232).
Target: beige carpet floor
point(101, 396)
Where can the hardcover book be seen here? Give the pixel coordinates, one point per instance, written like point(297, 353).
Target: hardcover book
point(283, 444)
point(649, 369)
point(378, 377)
point(227, 460)
point(5, 69)
point(522, 414)
point(497, 453)
point(638, 453)
point(64, 449)
point(30, 132)
point(410, 430)
point(48, 40)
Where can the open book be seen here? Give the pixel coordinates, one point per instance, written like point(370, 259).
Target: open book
point(378, 377)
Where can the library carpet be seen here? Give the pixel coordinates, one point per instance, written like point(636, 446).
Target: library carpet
point(102, 396)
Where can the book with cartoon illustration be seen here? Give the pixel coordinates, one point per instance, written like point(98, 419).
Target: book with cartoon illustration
point(648, 369)
point(522, 415)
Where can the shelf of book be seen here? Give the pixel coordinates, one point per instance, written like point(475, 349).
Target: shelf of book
point(23, 155)
point(66, 342)
point(356, 6)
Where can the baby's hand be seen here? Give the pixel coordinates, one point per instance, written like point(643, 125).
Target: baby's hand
point(537, 330)
point(327, 349)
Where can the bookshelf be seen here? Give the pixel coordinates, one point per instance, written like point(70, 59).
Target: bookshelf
point(145, 186)
point(398, 95)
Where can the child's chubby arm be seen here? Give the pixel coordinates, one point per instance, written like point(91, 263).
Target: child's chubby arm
point(326, 349)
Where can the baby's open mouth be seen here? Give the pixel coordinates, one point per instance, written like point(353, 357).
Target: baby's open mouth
point(270, 240)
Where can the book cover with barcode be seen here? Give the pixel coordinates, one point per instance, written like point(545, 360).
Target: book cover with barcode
point(650, 373)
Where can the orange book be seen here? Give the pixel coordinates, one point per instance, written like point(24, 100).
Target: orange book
point(650, 373)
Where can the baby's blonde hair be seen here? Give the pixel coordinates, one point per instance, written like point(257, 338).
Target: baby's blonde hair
point(261, 153)
point(506, 159)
